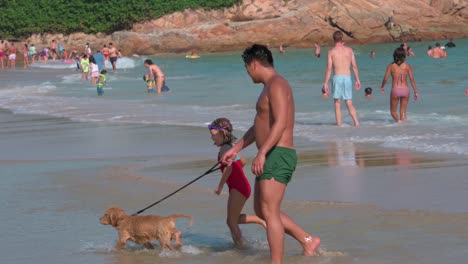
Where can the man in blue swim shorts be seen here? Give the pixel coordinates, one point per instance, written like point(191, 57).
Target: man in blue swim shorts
point(341, 58)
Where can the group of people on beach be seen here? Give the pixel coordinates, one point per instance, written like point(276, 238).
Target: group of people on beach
point(272, 132)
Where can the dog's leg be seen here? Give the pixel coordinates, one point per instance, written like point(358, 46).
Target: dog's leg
point(120, 245)
point(177, 238)
point(165, 242)
point(148, 245)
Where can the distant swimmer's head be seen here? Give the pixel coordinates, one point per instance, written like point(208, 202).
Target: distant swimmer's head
point(466, 91)
point(368, 91)
point(437, 44)
point(221, 131)
point(429, 48)
point(259, 53)
point(399, 56)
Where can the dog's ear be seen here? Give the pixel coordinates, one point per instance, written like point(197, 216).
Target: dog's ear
point(115, 215)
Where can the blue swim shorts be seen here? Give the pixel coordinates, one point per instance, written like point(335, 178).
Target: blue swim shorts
point(342, 87)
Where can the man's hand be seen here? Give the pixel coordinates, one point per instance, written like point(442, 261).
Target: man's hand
point(358, 85)
point(257, 164)
point(229, 156)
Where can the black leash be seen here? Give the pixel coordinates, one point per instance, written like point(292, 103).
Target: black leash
point(214, 168)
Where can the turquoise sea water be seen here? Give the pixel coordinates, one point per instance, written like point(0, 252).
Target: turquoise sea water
point(217, 85)
point(382, 193)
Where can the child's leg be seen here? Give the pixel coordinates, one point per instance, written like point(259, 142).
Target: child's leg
point(236, 202)
point(403, 105)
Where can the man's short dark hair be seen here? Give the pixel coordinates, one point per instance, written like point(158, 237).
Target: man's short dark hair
point(259, 53)
point(149, 62)
point(338, 36)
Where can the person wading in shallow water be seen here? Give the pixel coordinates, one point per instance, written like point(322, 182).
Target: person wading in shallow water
point(276, 159)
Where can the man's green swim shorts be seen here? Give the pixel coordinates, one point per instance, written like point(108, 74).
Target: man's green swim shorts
point(280, 164)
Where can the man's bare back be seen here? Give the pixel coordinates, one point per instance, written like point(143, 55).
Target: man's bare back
point(264, 117)
point(342, 58)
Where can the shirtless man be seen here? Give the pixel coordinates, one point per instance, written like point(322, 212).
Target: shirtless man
point(341, 58)
point(12, 55)
point(438, 52)
point(276, 159)
point(156, 74)
point(113, 55)
point(53, 49)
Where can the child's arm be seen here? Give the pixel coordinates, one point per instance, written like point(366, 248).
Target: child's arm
point(226, 173)
point(223, 180)
point(243, 161)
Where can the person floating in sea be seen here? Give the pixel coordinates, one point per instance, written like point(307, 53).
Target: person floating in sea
point(450, 44)
point(317, 50)
point(438, 52)
point(341, 59)
point(281, 49)
point(368, 92)
point(372, 54)
point(429, 51)
point(234, 176)
point(400, 94)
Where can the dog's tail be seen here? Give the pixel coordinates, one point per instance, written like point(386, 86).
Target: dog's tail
point(174, 216)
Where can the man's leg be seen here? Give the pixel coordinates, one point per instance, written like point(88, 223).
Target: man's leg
point(352, 112)
point(338, 112)
point(271, 194)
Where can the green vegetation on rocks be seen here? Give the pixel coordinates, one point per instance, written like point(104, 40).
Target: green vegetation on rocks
point(21, 18)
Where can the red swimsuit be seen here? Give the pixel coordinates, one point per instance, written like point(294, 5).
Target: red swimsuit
point(237, 179)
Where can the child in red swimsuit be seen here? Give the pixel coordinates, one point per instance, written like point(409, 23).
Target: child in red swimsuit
point(239, 186)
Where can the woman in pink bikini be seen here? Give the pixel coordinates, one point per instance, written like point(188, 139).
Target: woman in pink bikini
point(400, 71)
point(239, 186)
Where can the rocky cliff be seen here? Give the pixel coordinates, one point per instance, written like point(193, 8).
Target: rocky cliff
point(289, 22)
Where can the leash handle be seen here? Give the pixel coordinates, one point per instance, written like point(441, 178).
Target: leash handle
point(212, 169)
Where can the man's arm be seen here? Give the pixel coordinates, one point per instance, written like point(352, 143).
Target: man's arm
point(355, 70)
point(328, 72)
point(246, 140)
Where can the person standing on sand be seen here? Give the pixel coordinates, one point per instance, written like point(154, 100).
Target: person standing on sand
point(276, 159)
point(340, 58)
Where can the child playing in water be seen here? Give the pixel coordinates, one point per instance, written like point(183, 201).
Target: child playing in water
point(84, 63)
point(400, 71)
point(149, 83)
point(233, 175)
point(101, 82)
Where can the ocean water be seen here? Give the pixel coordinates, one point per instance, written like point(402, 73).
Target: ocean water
point(381, 193)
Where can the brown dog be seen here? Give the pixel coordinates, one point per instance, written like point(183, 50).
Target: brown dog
point(144, 229)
